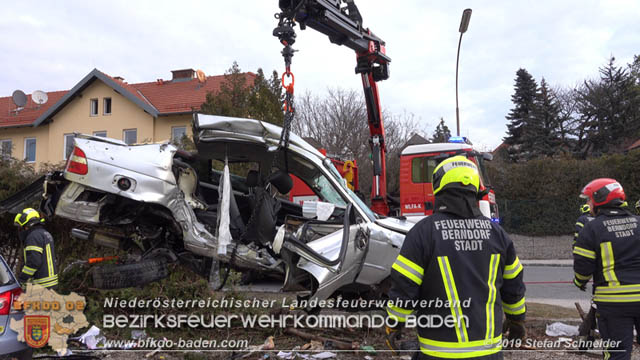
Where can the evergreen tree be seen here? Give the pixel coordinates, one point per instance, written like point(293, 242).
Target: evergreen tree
point(519, 117)
point(543, 137)
point(441, 133)
point(239, 97)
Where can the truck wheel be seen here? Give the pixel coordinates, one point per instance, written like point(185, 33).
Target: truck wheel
point(129, 275)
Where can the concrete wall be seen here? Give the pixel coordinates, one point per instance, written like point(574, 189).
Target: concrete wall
point(164, 124)
point(18, 136)
point(543, 247)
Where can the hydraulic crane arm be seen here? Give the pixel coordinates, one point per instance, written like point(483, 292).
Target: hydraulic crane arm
point(341, 21)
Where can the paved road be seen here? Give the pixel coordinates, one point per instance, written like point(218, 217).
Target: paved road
point(535, 272)
point(563, 294)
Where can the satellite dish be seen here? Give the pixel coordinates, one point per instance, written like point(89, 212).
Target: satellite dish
point(39, 97)
point(202, 78)
point(19, 98)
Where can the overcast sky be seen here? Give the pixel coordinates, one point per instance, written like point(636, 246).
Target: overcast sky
point(52, 45)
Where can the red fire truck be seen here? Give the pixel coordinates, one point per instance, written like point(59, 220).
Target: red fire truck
point(417, 163)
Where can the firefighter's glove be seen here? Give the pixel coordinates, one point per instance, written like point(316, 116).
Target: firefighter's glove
point(515, 329)
point(392, 337)
point(582, 287)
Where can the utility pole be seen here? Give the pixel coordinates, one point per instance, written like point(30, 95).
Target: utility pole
point(464, 24)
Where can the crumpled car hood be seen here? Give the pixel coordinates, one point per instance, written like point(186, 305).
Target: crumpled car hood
point(402, 226)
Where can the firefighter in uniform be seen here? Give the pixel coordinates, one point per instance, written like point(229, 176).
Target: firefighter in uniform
point(458, 265)
point(608, 249)
point(585, 217)
point(39, 258)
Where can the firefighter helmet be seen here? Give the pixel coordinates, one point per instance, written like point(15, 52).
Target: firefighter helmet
point(585, 209)
point(27, 217)
point(604, 191)
point(456, 172)
point(638, 206)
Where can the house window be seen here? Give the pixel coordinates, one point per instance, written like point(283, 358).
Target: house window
point(68, 145)
point(5, 148)
point(106, 106)
point(100, 133)
point(93, 111)
point(30, 150)
point(177, 133)
point(130, 136)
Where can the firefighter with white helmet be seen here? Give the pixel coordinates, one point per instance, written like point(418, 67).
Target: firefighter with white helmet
point(459, 265)
point(608, 250)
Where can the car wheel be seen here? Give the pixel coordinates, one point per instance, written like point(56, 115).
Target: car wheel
point(129, 275)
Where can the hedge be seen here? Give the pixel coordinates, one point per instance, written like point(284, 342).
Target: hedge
point(541, 197)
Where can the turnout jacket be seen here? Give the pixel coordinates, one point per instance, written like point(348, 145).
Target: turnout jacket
point(39, 262)
point(461, 268)
point(608, 249)
point(582, 220)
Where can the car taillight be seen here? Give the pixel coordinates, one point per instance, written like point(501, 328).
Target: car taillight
point(5, 302)
point(77, 163)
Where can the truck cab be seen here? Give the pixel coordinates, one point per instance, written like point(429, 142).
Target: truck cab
point(417, 163)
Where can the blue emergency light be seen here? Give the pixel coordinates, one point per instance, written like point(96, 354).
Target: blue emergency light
point(457, 140)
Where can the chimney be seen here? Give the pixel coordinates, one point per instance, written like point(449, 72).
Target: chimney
point(119, 78)
point(183, 75)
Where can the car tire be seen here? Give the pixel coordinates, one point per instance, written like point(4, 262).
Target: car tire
point(129, 275)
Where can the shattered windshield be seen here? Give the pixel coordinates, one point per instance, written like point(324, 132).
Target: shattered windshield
point(321, 186)
point(336, 175)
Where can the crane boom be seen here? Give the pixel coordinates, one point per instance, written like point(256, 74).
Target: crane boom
point(341, 22)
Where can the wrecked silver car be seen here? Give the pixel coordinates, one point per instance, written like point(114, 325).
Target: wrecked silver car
point(225, 203)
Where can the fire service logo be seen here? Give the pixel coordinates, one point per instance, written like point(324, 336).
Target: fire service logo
point(36, 330)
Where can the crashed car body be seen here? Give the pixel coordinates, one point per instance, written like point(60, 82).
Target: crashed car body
point(165, 203)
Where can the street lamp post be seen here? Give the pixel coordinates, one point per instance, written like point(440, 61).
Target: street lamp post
point(464, 24)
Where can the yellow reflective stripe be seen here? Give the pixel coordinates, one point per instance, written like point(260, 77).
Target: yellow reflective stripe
point(577, 282)
point(491, 299)
point(409, 269)
point(580, 224)
point(618, 289)
point(46, 279)
point(582, 277)
point(49, 260)
point(28, 270)
point(617, 298)
point(398, 313)
point(460, 350)
point(48, 283)
point(608, 263)
point(454, 300)
point(584, 252)
point(515, 309)
point(33, 248)
point(575, 235)
point(513, 270)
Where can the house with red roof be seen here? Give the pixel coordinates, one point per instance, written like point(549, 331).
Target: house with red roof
point(103, 105)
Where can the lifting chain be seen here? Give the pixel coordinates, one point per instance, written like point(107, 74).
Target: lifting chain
point(286, 34)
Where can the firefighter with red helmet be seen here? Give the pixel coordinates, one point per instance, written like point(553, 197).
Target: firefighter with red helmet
point(457, 266)
point(608, 249)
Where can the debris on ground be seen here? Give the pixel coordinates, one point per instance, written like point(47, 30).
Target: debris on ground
point(91, 338)
point(561, 329)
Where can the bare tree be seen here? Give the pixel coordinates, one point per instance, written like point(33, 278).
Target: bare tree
point(339, 123)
